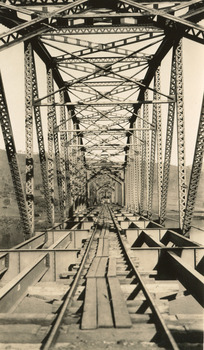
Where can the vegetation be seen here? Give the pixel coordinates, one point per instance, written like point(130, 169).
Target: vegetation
point(10, 227)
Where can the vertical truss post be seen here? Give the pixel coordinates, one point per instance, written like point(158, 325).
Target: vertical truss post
point(50, 144)
point(159, 142)
point(127, 184)
point(41, 146)
point(131, 173)
point(143, 164)
point(139, 140)
point(123, 190)
point(120, 194)
point(169, 139)
point(180, 134)
point(129, 180)
point(81, 174)
point(146, 118)
point(136, 170)
point(29, 134)
point(195, 173)
point(88, 188)
point(13, 163)
point(68, 163)
point(63, 140)
point(77, 170)
point(116, 192)
point(153, 151)
point(53, 118)
point(83, 184)
point(73, 162)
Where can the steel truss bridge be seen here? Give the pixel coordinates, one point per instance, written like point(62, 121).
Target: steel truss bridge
point(104, 102)
point(106, 112)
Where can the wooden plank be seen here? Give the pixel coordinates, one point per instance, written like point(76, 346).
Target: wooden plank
point(100, 247)
point(105, 318)
point(101, 270)
point(120, 311)
point(111, 267)
point(103, 233)
point(89, 317)
point(105, 247)
point(93, 268)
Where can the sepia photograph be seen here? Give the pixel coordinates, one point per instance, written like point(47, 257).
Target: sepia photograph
point(101, 174)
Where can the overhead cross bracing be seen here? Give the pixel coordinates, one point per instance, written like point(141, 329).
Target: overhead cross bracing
point(105, 102)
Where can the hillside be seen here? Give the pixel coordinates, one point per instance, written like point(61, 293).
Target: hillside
point(9, 214)
point(10, 227)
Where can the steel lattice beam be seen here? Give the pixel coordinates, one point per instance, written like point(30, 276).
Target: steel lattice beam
point(180, 133)
point(29, 134)
point(195, 173)
point(152, 152)
point(159, 143)
point(41, 146)
point(13, 163)
point(53, 123)
point(169, 140)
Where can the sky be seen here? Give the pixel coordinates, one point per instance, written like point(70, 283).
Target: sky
point(12, 70)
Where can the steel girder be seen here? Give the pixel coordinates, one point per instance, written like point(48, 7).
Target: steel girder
point(195, 174)
point(143, 167)
point(159, 142)
point(52, 120)
point(153, 152)
point(13, 163)
point(39, 24)
point(29, 134)
point(63, 150)
point(136, 170)
point(50, 135)
point(41, 146)
point(169, 140)
point(180, 133)
point(154, 20)
point(146, 119)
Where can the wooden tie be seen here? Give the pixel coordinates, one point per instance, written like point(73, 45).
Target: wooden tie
point(104, 304)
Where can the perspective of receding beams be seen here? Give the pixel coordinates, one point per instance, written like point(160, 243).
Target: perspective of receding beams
point(105, 96)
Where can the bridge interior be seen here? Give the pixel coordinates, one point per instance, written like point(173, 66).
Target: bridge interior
point(105, 125)
point(104, 105)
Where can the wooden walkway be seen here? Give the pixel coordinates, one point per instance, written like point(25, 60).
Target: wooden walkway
point(104, 304)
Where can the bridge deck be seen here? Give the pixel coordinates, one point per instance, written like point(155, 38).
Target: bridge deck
point(107, 295)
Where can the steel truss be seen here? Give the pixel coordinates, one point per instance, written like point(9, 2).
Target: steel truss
point(180, 133)
point(29, 134)
point(169, 140)
point(103, 91)
point(52, 120)
point(13, 163)
point(195, 174)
